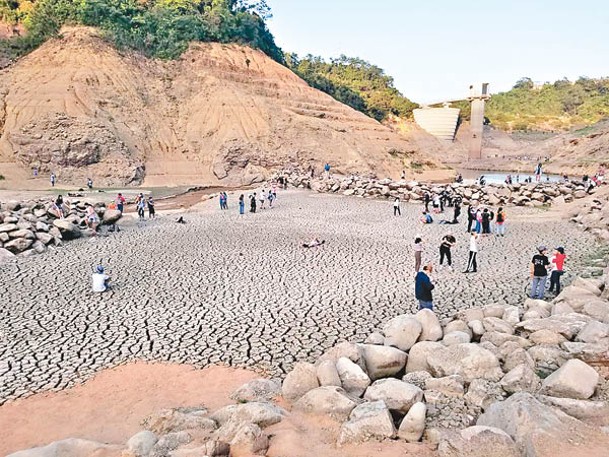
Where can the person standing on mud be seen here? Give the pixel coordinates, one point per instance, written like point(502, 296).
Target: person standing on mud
point(472, 263)
point(151, 211)
point(500, 222)
point(445, 246)
point(471, 217)
point(423, 287)
point(486, 222)
point(53, 179)
point(120, 202)
point(418, 252)
point(427, 200)
point(396, 207)
point(241, 204)
point(253, 203)
point(539, 273)
point(557, 267)
point(457, 210)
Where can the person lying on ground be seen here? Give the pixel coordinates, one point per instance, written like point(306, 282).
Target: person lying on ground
point(314, 243)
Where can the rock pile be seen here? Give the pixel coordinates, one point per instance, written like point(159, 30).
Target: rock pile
point(593, 217)
point(31, 227)
point(422, 378)
point(534, 194)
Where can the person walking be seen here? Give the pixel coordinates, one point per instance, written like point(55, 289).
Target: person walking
point(423, 287)
point(221, 200)
point(557, 269)
point(538, 172)
point(445, 246)
point(241, 204)
point(500, 223)
point(427, 199)
point(539, 273)
point(472, 262)
point(90, 183)
point(151, 210)
point(418, 252)
point(271, 198)
point(262, 198)
point(140, 204)
point(225, 200)
point(327, 170)
point(53, 179)
point(396, 207)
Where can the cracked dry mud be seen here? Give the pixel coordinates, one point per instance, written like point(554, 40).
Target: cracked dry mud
point(241, 290)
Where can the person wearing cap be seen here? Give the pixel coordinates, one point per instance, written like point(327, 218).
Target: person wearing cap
point(100, 280)
point(556, 266)
point(539, 273)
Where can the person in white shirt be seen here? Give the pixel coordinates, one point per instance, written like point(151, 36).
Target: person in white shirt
point(396, 207)
point(417, 247)
point(100, 280)
point(472, 264)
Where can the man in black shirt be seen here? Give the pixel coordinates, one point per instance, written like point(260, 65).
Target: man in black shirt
point(539, 273)
point(447, 243)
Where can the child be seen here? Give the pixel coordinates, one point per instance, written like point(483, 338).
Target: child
point(100, 280)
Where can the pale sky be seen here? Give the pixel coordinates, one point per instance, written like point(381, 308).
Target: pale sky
point(435, 49)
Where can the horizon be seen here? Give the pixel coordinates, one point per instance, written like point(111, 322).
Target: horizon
point(545, 44)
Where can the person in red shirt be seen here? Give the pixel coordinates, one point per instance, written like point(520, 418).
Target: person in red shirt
point(557, 267)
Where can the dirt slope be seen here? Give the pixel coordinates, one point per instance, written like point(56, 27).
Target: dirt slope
point(220, 115)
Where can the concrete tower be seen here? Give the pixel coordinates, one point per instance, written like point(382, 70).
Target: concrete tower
point(477, 99)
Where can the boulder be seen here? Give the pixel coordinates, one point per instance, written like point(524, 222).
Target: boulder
point(477, 441)
point(547, 357)
point(68, 230)
point(547, 337)
point(142, 443)
point(477, 328)
point(413, 425)
point(457, 326)
point(260, 413)
point(44, 237)
point(521, 378)
point(533, 425)
point(402, 332)
point(71, 447)
point(353, 379)
point(22, 233)
point(330, 400)
point(417, 378)
point(257, 390)
point(351, 351)
point(495, 311)
point(42, 227)
point(469, 361)
point(212, 448)
point(7, 228)
point(483, 393)
point(511, 315)
point(584, 410)
point(375, 338)
point(249, 440)
point(327, 374)
point(575, 379)
point(495, 324)
point(451, 386)
point(472, 314)
point(18, 245)
point(299, 381)
point(456, 337)
point(431, 330)
point(515, 357)
point(418, 354)
point(111, 216)
point(180, 419)
point(5, 254)
point(588, 352)
point(367, 421)
point(597, 309)
point(398, 395)
point(383, 361)
point(568, 325)
point(562, 308)
point(593, 332)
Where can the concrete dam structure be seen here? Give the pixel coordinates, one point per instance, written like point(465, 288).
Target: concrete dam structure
point(440, 122)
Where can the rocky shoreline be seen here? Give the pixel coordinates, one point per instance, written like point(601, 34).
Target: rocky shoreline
point(518, 194)
point(32, 227)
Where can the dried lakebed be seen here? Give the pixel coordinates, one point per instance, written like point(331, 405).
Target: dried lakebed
point(241, 290)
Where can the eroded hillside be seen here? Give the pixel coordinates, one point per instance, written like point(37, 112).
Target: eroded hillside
point(221, 114)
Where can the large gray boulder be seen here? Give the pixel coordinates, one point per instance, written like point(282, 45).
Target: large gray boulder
point(402, 332)
point(575, 379)
point(383, 361)
point(179, 419)
point(327, 374)
point(18, 245)
point(353, 379)
point(469, 361)
point(413, 425)
point(521, 378)
point(568, 325)
point(418, 354)
point(68, 230)
point(368, 421)
point(257, 390)
point(431, 330)
point(593, 332)
point(111, 216)
point(142, 443)
point(5, 254)
point(262, 414)
point(330, 400)
point(299, 381)
point(478, 441)
point(398, 395)
point(596, 411)
point(249, 440)
point(534, 425)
